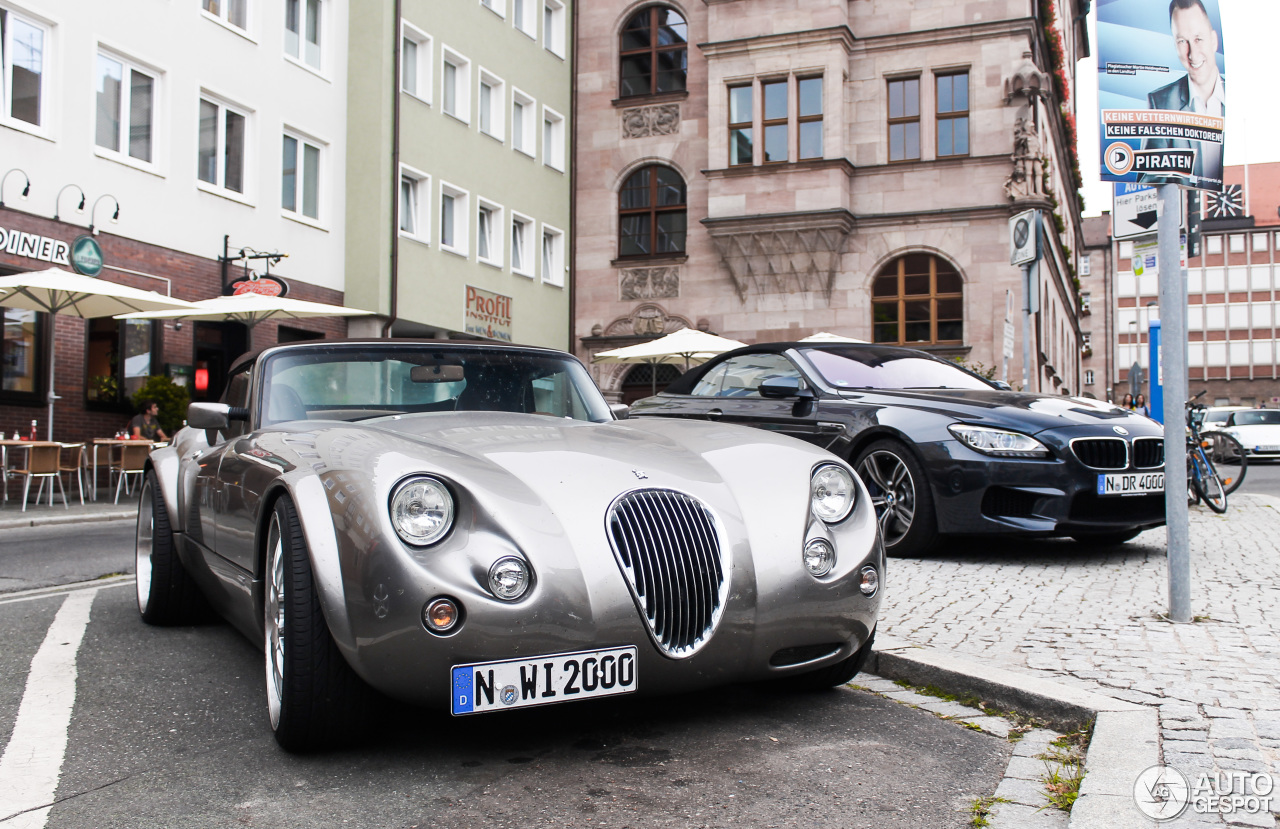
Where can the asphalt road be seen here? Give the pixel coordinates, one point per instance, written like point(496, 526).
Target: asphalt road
point(169, 728)
point(1261, 477)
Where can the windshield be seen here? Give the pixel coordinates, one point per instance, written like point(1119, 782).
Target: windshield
point(1266, 417)
point(869, 367)
point(337, 383)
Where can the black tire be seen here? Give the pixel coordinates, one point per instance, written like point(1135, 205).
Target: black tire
point(1209, 486)
point(1223, 449)
point(1107, 539)
point(832, 676)
point(167, 595)
point(314, 699)
point(900, 492)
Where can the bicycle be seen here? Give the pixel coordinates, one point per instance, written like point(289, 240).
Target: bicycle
point(1204, 481)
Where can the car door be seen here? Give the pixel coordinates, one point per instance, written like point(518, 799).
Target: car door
point(731, 394)
point(210, 491)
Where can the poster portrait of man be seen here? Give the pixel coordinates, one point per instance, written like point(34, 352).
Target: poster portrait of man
point(1156, 130)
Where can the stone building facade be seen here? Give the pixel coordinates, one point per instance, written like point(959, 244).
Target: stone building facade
point(767, 170)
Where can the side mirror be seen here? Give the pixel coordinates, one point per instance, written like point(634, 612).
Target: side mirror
point(1002, 385)
point(214, 415)
point(784, 387)
point(621, 411)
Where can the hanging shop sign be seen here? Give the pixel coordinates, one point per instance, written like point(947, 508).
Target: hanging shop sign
point(263, 285)
point(86, 256)
point(35, 246)
point(488, 314)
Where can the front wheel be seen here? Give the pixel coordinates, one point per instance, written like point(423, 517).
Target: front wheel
point(314, 699)
point(900, 493)
point(167, 595)
point(1208, 484)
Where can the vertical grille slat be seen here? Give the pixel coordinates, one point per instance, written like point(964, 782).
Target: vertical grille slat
point(666, 545)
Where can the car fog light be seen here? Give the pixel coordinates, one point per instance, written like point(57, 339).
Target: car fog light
point(870, 581)
point(819, 557)
point(509, 578)
point(440, 615)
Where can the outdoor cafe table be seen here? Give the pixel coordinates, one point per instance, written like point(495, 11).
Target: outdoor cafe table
point(110, 444)
point(4, 460)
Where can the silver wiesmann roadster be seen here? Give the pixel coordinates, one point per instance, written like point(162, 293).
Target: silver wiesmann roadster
point(472, 527)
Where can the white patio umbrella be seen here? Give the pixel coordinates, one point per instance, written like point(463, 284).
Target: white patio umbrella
point(688, 345)
point(828, 337)
point(250, 309)
point(55, 291)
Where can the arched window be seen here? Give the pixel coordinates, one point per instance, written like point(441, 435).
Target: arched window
point(655, 53)
point(918, 298)
point(652, 213)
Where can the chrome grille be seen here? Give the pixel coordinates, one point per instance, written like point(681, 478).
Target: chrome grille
point(667, 547)
point(1102, 453)
point(1148, 453)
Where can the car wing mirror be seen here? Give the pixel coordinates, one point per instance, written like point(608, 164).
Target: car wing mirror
point(621, 411)
point(1002, 385)
point(784, 387)
point(214, 415)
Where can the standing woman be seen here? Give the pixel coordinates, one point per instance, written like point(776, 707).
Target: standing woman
point(1140, 406)
point(1127, 402)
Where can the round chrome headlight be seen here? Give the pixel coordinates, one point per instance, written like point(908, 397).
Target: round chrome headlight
point(509, 578)
point(831, 493)
point(819, 557)
point(868, 581)
point(421, 510)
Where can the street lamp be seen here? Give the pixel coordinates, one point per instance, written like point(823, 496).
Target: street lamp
point(26, 190)
point(57, 202)
point(115, 217)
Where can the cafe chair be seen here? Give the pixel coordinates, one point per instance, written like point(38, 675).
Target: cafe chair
point(133, 461)
point(74, 460)
point(43, 463)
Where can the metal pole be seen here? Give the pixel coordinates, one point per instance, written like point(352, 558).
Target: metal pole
point(1173, 370)
point(1026, 327)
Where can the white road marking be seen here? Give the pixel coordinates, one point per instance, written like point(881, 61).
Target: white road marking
point(65, 589)
point(32, 761)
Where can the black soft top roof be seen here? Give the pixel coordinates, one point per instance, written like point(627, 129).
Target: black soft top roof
point(397, 342)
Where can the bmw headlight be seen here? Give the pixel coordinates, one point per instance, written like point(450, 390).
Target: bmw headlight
point(421, 510)
point(998, 442)
point(831, 493)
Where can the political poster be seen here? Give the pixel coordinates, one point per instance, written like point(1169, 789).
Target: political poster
point(1161, 92)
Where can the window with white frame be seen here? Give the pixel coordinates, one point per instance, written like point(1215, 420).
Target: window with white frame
point(126, 101)
point(1086, 266)
point(300, 177)
point(453, 219)
point(1086, 341)
point(232, 12)
point(1088, 377)
point(222, 148)
point(1213, 244)
point(1237, 243)
point(1126, 250)
point(552, 256)
point(498, 7)
point(553, 27)
point(1086, 303)
point(302, 22)
point(524, 16)
point(455, 85)
point(415, 62)
point(521, 245)
point(489, 235)
point(24, 51)
point(492, 105)
point(523, 123)
point(552, 139)
point(415, 190)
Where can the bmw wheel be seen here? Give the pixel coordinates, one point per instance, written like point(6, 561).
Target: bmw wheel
point(900, 493)
point(314, 699)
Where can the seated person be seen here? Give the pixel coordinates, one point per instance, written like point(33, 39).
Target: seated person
point(146, 424)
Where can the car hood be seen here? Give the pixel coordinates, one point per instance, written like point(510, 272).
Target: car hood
point(1025, 412)
point(1255, 433)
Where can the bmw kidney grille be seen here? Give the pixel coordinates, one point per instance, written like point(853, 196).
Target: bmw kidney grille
point(667, 547)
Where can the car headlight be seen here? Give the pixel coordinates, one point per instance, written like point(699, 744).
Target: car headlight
point(998, 442)
point(421, 510)
point(831, 493)
point(819, 557)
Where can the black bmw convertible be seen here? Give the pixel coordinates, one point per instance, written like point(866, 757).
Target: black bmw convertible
point(941, 450)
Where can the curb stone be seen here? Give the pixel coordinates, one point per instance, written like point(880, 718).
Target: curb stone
point(1126, 736)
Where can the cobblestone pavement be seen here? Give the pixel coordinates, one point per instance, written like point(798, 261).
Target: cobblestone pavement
point(1093, 618)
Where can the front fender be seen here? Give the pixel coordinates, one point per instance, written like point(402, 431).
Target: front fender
point(165, 462)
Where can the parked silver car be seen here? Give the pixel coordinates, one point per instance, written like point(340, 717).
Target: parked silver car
point(471, 527)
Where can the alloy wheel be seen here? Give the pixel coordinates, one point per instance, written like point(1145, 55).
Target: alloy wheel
point(274, 613)
point(893, 493)
point(143, 546)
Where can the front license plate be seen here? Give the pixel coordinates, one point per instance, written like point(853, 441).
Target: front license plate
point(1131, 483)
point(1266, 448)
point(542, 680)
